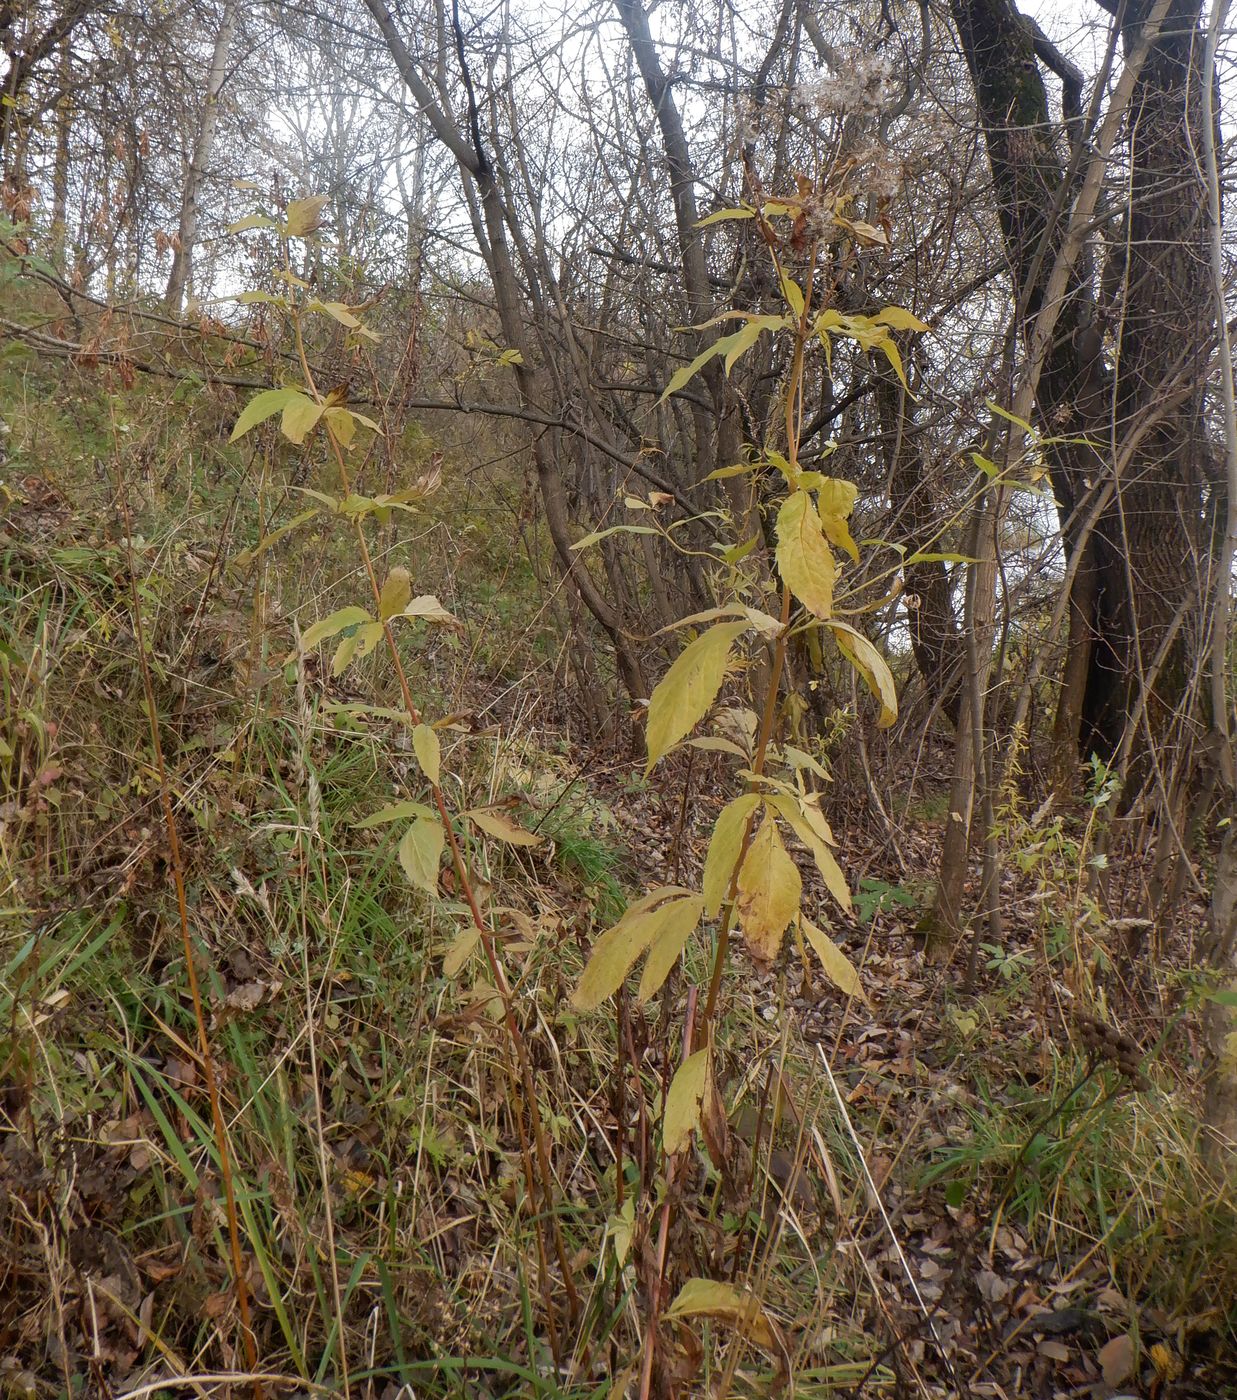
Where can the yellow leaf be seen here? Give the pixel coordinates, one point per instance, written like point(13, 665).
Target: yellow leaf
point(621, 1228)
point(700, 1297)
point(674, 928)
point(895, 359)
point(396, 593)
point(838, 967)
point(337, 310)
point(683, 1102)
point(359, 644)
point(689, 687)
point(836, 500)
point(299, 416)
point(304, 216)
point(428, 607)
point(724, 848)
point(812, 829)
point(420, 852)
point(899, 319)
point(429, 754)
point(871, 665)
point(720, 214)
point(793, 294)
point(804, 560)
point(342, 424)
point(837, 532)
point(769, 890)
point(502, 828)
point(617, 949)
point(460, 951)
point(344, 653)
point(248, 222)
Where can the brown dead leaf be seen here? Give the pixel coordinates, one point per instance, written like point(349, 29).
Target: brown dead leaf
point(1116, 1358)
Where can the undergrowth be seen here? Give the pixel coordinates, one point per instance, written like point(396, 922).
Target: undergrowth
point(391, 1243)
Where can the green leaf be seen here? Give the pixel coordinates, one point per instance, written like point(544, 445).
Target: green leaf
point(420, 851)
point(740, 338)
point(621, 1228)
point(331, 626)
point(592, 539)
point(935, 558)
point(684, 694)
point(248, 298)
point(804, 560)
point(871, 665)
point(262, 406)
point(394, 812)
point(355, 644)
point(838, 967)
point(428, 751)
point(684, 1102)
point(724, 847)
point(247, 556)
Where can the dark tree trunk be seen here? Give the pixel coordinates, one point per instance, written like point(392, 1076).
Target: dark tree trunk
point(1123, 373)
point(936, 638)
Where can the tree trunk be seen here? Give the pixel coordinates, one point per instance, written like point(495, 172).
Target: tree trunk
point(936, 640)
point(1137, 570)
point(199, 162)
point(60, 169)
point(1220, 1014)
point(535, 391)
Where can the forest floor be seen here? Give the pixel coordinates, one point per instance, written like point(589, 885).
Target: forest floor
point(934, 1190)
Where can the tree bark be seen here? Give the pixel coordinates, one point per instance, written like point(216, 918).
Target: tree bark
point(936, 640)
point(23, 53)
point(1220, 1013)
point(1135, 574)
point(475, 166)
point(199, 162)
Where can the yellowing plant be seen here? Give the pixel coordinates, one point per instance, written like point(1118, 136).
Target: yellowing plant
point(750, 878)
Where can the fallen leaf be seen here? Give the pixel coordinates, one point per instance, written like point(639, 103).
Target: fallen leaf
point(1116, 1358)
